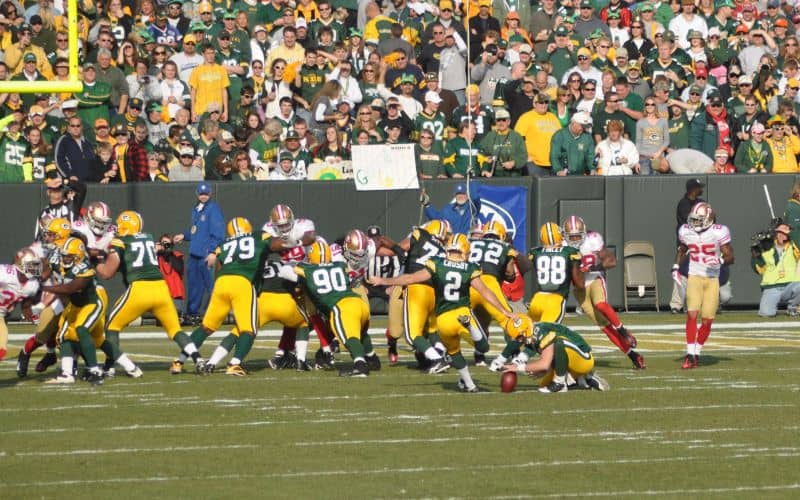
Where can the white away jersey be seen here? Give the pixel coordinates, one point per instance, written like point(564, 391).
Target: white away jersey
point(11, 290)
point(93, 241)
point(704, 249)
point(591, 246)
point(300, 228)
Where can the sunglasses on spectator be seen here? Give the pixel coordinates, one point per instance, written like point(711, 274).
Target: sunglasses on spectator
point(605, 46)
point(700, 77)
point(694, 93)
point(749, 104)
point(583, 58)
point(187, 156)
point(369, 71)
point(649, 104)
point(160, 52)
point(588, 89)
point(575, 80)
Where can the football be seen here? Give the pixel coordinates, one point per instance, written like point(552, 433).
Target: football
point(508, 381)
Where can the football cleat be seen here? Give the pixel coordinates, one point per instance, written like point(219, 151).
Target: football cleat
point(61, 378)
point(637, 359)
point(23, 360)
point(95, 376)
point(303, 366)
point(594, 382)
point(176, 368)
point(463, 387)
point(235, 370)
point(497, 364)
point(630, 339)
point(200, 366)
point(135, 373)
point(439, 366)
point(554, 387)
point(392, 351)
point(276, 362)
point(480, 359)
point(359, 370)
point(48, 360)
point(110, 373)
point(289, 361)
point(374, 363)
point(689, 362)
point(208, 369)
point(323, 360)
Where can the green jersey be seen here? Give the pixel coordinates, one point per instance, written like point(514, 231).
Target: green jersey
point(311, 80)
point(271, 282)
point(327, 284)
point(451, 280)
point(15, 154)
point(492, 256)
point(436, 124)
point(81, 270)
point(545, 334)
point(243, 255)
point(423, 248)
point(553, 266)
point(137, 258)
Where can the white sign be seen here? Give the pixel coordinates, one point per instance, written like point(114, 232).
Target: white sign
point(380, 167)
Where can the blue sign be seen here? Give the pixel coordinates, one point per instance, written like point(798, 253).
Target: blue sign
point(508, 204)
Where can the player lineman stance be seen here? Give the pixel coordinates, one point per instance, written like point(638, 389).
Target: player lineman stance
point(593, 300)
point(563, 353)
point(708, 246)
point(452, 277)
point(18, 283)
point(133, 253)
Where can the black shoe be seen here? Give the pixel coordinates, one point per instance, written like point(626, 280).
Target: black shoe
point(392, 351)
point(303, 366)
point(109, 364)
point(630, 339)
point(374, 363)
point(47, 361)
point(94, 377)
point(423, 362)
point(675, 311)
point(208, 369)
point(22, 364)
point(323, 360)
point(276, 362)
point(289, 361)
point(480, 359)
point(360, 370)
point(335, 346)
point(554, 387)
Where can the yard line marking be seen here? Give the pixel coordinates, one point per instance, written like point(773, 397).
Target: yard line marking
point(168, 449)
point(736, 489)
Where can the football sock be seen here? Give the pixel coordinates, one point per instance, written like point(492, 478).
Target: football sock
point(198, 336)
point(51, 344)
point(244, 344)
point(224, 348)
point(186, 345)
point(109, 352)
point(287, 339)
point(30, 345)
point(510, 348)
point(458, 362)
point(466, 377)
point(482, 346)
point(560, 360)
point(87, 347)
point(705, 331)
point(126, 363)
point(616, 338)
point(422, 345)
point(434, 338)
point(321, 328)
point(219, 353)
point(112, 337)
point(366, 341)
point(302, 349)
point(433, 354)
point(610, 314)
point(355, 348)
point(691, 331)
point(67, 357)
point(524, 357)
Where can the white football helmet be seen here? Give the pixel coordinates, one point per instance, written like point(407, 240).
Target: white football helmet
point(701, 217)
point(574, 231)
point(98, 216)
point(355, 248)
point(28, 264)
point(282, 219)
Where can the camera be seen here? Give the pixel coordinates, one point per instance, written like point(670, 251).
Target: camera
point(373, 231)
point(762, 241)
point(144, 80)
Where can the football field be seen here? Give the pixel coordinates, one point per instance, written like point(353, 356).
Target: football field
point(728, 429)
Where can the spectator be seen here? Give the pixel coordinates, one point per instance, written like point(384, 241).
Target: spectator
point(460, 212)
point(792, 213)
point(722, 165)
point(334, 148)
point(754, 155)
point(652, 139)
point(206, 233)
point(453, 65)
point(538, 127)
point(479, 25)
point(114, 77)
point(572, 147)
point(479, 114)
point(712, 128)
point(587, 22)
point(488, 72)
point(463, 157)
point(73, 153)
point(605, 114)
point(224, 149)
point(685, 22)
point(155, 168)
point(428, 153)
point(287, 169)
point(15, 161)
point(15, 52)
point(209, 85)
point(784, 145)
point(189, 168)
point(130, 157)
point(301, 158)
point(505, 147)
point(615, 154)
point(776, 262)
point(188, 59)
point(95, 100)
point(584, 68)
point(541, 28)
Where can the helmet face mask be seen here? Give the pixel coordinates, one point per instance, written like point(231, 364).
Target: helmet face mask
point(56, 233)
point(574, 231)
point(701, 217)
point(98, 216)
point(282, 219)
point(73, 252)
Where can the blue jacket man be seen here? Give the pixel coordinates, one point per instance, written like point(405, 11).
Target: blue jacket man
point(458, 212)
point(205, 235)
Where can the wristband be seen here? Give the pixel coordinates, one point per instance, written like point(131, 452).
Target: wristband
point(675, 267)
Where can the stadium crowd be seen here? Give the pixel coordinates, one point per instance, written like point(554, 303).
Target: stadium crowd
point(253, 90)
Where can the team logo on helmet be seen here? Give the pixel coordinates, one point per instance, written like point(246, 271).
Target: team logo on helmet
point(319, 253)
point(129, 223)
point(73, 252)
point(355, 248)
point(56, 233)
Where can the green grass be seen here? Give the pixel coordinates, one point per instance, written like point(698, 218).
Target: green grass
point(726, 430)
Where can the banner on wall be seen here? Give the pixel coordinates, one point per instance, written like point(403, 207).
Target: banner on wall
point(381, 167)
point(508, 204)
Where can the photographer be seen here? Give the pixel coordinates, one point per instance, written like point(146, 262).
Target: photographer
point(170, 262)
point(775, 257)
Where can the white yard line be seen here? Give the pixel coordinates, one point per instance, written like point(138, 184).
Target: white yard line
point(166, 449)
point(736, 489)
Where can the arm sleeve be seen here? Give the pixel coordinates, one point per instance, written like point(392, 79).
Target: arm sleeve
point(217, 228)
point(555, 149)
point(431, 213)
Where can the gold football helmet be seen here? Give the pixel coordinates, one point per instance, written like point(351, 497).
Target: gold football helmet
point(319, 253)
point(129, 223)
point(520, 328)
point(439, 229)
point(495, 229)
point(56, 233)
point(239, 226)
point(458, 247)
point(550, 235)
point(73, 252)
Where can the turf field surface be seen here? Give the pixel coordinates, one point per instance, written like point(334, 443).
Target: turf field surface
point(728, 429)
